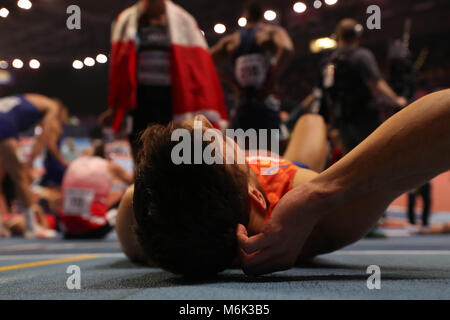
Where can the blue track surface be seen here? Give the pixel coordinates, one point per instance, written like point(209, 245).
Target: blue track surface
point(411, 268)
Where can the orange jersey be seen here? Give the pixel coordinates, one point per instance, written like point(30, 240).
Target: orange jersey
point(276, 177)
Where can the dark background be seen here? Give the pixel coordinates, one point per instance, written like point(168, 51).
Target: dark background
point(41, 33)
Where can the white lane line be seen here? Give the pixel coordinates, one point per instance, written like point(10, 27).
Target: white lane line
point(54, 246)
point(57, 256)
point(393, 252)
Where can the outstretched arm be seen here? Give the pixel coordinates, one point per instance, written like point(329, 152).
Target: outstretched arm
point(341, 204)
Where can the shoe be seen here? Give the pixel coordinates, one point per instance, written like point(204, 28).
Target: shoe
point(375, 234)
point(412, 228)
point(41, 233)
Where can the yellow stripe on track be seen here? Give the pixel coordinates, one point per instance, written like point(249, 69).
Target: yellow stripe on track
point(49, 262)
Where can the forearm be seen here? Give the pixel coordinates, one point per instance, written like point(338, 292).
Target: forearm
point(409, 149)
point(384, 90)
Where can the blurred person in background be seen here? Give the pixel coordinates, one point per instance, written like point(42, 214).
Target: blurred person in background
point(425, 192)
point(69, 151)
point(260, 53)
point(89, 199)
point(18, 114)
point(55, 163)
point(160, 70)
point(354, 88)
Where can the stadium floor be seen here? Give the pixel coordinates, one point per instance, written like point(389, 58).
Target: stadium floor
point(414, 267)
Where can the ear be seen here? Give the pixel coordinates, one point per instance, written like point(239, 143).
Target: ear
point(256, 197)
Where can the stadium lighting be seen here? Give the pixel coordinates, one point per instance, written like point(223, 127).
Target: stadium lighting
point(4, 12)
point(331, 2)
point(3, 64)
point(270, 15)
point(101, 58)
point(299, 7)
point(317, 4)
point(34, 64)
point(77, 64)
point(17, 63)
point(220, 28)
point(24, 4)
point(242, 22)
point(89, 62)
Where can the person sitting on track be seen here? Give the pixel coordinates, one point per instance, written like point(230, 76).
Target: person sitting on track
point(18, 114)
point(88, 203)
point(195, 220)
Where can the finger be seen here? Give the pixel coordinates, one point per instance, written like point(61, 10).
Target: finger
point(251, 244)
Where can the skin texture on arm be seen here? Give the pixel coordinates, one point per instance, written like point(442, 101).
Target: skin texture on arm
point(125, 228)
point(342, 203)
point(225, 47)
point(119, 173)
point(51, 127)
point(284, 51)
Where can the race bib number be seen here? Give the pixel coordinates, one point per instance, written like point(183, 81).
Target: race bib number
point(154, 68)
point(251, 70)
point(78, 201)
point(7, 104)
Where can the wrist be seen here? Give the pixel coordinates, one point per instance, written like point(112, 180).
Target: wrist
point(329, 195)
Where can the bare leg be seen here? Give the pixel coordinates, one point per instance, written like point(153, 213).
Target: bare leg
point(18, 174)
point(308, 143)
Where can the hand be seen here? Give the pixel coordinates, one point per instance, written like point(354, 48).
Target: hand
point(402, 102)
point(105, 117)
point(280, 243)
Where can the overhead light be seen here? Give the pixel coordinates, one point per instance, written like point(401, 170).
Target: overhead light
point(242, 22)
point(77, 64)
point(317, 4)
point(220, 28)
point(17, 63)
point(331, 2)
point(4, 12)
point(89, 62)
point(34, 64)
point(321, 44)
point(3, 64)
point(101, 58)
point(24, 4)
point(270, 15)
point(299, 7)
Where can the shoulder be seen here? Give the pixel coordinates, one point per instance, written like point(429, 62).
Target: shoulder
point(127, 13)
point(363, 54)
point(304, 175)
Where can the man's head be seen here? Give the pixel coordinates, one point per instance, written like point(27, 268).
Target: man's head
point(253, 11)
point(349, 31)
point(187, 214)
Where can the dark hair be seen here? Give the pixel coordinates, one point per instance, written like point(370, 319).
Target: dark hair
point(99, 149)
point(254, 11)
point(186, 214)
point(348, 29)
